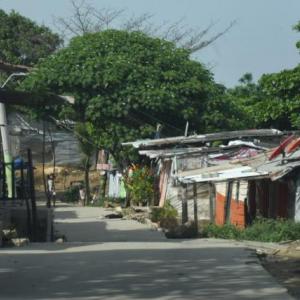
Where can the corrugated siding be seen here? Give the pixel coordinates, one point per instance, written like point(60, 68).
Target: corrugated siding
point(237, 205)
point(175, 194)
point(192, 162)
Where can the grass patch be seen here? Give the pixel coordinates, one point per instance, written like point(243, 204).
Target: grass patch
point(71, 194)
point(263, 230)
point(166, 216)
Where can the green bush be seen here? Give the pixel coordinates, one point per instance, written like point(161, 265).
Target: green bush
point(71, 194)
point(226, 231)
point(140, 186)
point(263, 230)
point(162, 213)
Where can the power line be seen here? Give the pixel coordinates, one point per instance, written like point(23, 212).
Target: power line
point(76, 133)
point(158, 120)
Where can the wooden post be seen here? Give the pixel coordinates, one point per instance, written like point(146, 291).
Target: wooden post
point(24, 197)
point(4, 189)
point(32, 195)
point(212, 201)
point(13, 187)
point(184, 204)
point(195, 206)
point(228, 202)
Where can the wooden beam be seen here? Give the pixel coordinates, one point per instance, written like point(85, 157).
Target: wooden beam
point(228, 202)
point(212, 201)
point(184, 196)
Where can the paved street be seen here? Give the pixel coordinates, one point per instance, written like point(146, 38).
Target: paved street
point(119, 259)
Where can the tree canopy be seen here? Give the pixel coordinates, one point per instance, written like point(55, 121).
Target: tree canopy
point(22, 41)
point(274, 101)
point(125, 83)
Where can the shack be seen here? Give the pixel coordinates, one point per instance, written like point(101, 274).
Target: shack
point(244, 189)
point(178, 157)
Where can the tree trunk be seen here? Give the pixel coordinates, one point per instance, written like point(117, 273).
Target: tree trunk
point(44, 175)
point(87, 180)
point(103, 184)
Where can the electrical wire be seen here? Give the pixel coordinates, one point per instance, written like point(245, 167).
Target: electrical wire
point(77, 134)
point(160, 121)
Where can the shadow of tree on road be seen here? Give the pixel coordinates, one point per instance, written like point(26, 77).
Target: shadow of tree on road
point(182, 273)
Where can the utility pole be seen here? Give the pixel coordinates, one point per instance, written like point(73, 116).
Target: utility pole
point(5, 140)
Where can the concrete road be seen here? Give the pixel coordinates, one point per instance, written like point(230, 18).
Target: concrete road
point(88, 224)
point(137, 269)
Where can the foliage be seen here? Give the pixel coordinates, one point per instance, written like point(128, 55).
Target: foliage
point(24, 42)
point(71, 194)
point(273, 102)
point(297, 28)
point(161, 213)
point(244, 97)
point(264, 230)
point(227, 231)
point(140, 185)
point(281, 104)
point(86, 145)
point(87, 148)
point(125, 83)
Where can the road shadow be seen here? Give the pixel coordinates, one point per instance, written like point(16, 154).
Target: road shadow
point(103, 231)
point(202, 273)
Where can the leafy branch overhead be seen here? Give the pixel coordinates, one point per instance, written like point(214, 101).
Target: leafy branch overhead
point(125, 83)
point(24, 42)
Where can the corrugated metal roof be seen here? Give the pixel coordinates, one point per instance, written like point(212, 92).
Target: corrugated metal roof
point(259, 166)
point(170, 152)
point(203, 138)
point(233, 173)
point(161, 153)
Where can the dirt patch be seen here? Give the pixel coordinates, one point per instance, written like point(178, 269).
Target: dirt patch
point(284, 265)
point(64, 176)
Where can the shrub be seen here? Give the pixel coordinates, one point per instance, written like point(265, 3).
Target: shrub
point(227, 231)
point(140, 186)
point(263, 230)
point(166, 216)
point(71, 194)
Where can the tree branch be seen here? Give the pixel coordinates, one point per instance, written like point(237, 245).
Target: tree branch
point(6, 67)
point(86, 18)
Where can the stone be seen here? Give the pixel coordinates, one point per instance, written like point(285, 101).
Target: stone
point(20, 242)
point(59, 241)
point(119, 209)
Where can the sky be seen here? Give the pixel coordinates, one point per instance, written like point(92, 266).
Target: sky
point(261, 41)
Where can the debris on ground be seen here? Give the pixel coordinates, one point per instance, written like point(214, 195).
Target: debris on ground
point(284, 264)
point(187, 230)
point(19, 242)
point(114, 216)
point(8, 234)
point(60, 239)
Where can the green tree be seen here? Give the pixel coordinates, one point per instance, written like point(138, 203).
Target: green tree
point(125, 83)
point(274, 101)
point(280, 105)
point(244, 97)
point(87, 149)
point(22, 41)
